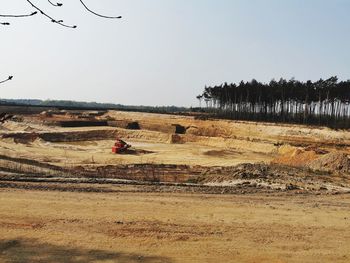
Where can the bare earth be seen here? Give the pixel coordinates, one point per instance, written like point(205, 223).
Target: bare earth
point(190, 190)
point(150, 227)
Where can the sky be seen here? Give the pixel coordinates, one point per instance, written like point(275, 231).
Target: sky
point(163, 52)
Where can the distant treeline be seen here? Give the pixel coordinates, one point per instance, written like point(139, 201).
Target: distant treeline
point(324, 102)
point(67, 104)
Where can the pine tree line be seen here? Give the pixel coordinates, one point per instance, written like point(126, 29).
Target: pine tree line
point(324, 102)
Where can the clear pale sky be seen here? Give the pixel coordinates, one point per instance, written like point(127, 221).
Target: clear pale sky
point(163, 52)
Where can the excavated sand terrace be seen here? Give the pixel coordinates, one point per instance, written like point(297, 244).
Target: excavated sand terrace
point(208, 142)
point(204, 142)
point(185, 145)
point(151, 146)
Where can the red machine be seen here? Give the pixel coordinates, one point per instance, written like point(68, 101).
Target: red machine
point(120, 146)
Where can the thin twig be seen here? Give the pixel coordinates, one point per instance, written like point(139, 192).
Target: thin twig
point(26, 15)
point(88, 9)
point(59, 22)
point(57, 4)
point(15, 16)
point(9, 78)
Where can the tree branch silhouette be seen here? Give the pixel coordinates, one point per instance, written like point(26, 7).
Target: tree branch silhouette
point(8, 79)
point(25, 15)
point(57, 4)
point(97, 14)
point(16, 16)
point(52, 19)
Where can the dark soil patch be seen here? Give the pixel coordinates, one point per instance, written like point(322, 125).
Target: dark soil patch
point(222, 153)
point(133, 126)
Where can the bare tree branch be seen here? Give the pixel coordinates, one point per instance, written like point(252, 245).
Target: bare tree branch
point(57, 4)
point(16, 16)
point(88, 9)
point(59, 22)
point(9, 78)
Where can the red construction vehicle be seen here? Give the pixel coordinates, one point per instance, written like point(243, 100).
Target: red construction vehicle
point(120, 146)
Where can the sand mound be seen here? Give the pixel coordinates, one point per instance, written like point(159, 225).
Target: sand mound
point(208, 131)
point(295, 157)
point(332, 162)
point(313, 158)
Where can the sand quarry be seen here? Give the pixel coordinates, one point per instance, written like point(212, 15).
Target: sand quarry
point(190, 189)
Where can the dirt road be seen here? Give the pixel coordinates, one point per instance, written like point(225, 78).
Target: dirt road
point(53, 226)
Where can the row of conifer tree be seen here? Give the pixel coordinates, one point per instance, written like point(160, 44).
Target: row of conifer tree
point(323, 102)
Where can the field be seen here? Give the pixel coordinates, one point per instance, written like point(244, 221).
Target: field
point(190, 189)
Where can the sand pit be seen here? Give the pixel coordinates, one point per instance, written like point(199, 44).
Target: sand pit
point(166, 140)
point(74, 146)
point(65, 187)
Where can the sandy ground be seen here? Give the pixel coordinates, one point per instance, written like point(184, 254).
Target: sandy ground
point(206, 143)
point(156, 152)
point(149, 227)
point(73, 221)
